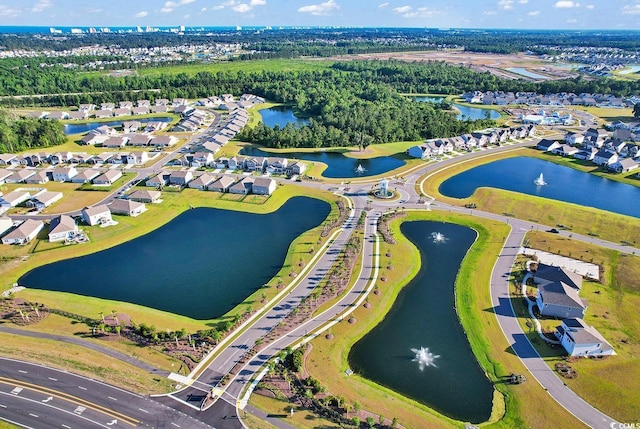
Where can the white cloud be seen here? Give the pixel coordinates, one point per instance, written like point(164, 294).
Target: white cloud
point(590, 6)
point(566, 4)
point(490, 12)
point(631, 10)
point(141, 14)
point(402, 9)
point(572, 21)
point(419, 12)
point(383, 5)
point(169, 7)
point(41, 5)
point(204, 9)
point(534, 13)
point(242, 8)
point(505, 4)
point(186, 1)
point(523, 1)
point(321, 9)
point(8, 12)
point(258, 2)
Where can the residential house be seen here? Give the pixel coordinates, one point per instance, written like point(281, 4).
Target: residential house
point(13, 199)
point(257, 163)
point(243, 186)
point(40, 178)
point(24, 233)
point(121, 111)
point(20, 176)
point(143, 103)
point(140, 110)
point(137, 158)
point(86, 107)
point(202, 159)
point(624, 165)
point(62, 228)
point(43, 200)
point(580, 339)
point(220, 139)
point(560, 300)
point(180, 178)
point(64, 174)
point(222, 162)
point(159, 109)
point(131, 208)
point(263, 186)
point(85, 176)
point(101, 158)
point(277, 165)
point(131, 126)
point(547, 145)
point(4, 174)
point(211, 146)
point(566, 150)
point(137, 139)
point(420, 151)
point(144, 196)
point(115, 142)
point(78, 115)
point(201, 182)
point(295, 168)
point(163, 141)
point(605, 157)
point(60, 158)
point(59, 115)
point(5, 224)
point(586, 154)
point(93, 138)
point(222, 184)
point(102, 113)
point(235, 163)
point(549, 274)
point(158, 181)
point(96, 215)
point(573, 138)
point(107, 106)
point(161, 102)
point(107, 178)
point(153, 126)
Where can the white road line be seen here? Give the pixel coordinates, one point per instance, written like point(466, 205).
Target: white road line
point(112, 398)
point(66, 427)
point(52, 379)
point(22, 371)
point(34, 415)
point(144, 411)
point(3, 406)
point(83, 388)
point(173, 424)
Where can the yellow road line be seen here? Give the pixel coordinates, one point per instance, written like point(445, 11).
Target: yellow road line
point(70, 398)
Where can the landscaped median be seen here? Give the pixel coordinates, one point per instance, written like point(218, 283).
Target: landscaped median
point(582, 220)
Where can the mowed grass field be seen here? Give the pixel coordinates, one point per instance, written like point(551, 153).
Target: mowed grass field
point(527, 405)
point(253, 66)
point(609, 384)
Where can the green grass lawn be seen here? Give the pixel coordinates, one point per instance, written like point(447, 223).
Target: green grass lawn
point(245, 66)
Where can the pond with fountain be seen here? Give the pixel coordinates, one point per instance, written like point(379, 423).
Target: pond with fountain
point(420, 349)
point(549, 180)
point(88, 126)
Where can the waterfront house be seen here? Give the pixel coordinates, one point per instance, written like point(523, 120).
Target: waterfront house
point(44, 199)
point(263, 186)
point(624, 165)
point(122, 111)
point(107, 178)
point(102, 113)
point(580, 339)
point(586, 154)
point(565, 150)
point(61, 228)
point(605, 157)
point(96, 215)
point(201, 182)
point(547, 145)
point(243, 186)
point(123, 207)
point(58, 115)
point(131, 126)
point(257, 163)
point(24, 233)
point(144, 196)
point(140, 110)
point(296, 168)
point(276, 165)
point(78, 115)
point(222, 184)
point(560, 300)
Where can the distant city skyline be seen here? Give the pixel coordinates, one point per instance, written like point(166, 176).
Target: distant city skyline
point(524, 14)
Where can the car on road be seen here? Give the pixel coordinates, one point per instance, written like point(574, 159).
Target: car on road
point(554, 231)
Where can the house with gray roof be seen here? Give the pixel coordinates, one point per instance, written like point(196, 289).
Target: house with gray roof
point(145, 196)
point(64, 174)
point(124, 207)
point(4, 174)
point(263, 186)
point(24, 233)
point(96, 215)
point(13, 199)
point(108, 177)
point(180, 178)
point(222, 184)
point(40, 178)
point(62, 228)
point(243, 186)
point(20, 176)
point(85, 176)
point(560, 300)
point(580, 339)
point(44, 199)
point(201, 182)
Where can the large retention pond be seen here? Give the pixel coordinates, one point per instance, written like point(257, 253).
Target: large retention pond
point(562, 183)
point(280, 116)
point(200, 265)
point(447, 376)
point(338, 165)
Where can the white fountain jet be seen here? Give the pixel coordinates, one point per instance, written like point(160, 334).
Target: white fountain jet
point(360, 169)
point(540, 181)
point(438, 237)
point(424, 358)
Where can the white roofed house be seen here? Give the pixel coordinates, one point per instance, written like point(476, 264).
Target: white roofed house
point(202, 159)
point(201, 182)
point(573, 138)
point(5, 224)
point(96, 215)
point(138, 158)
point(137, 139)
point(131, 126)
point(102, 113)
point(108, 177)
point(78, 115)
point(131, 208)
point(263, 186)
point(13, 199)
point(61, 228)
point(624, 165)
point(163, 141)
point(122, 111)
point(9, 159)
point(4, 174)
point(422, 151)
point(107, 106)
point(86, 107)
point(44, 200)
point(580, 339)
point(24, 233)
point(58, 115)
point(566, 150)
point(64, 174)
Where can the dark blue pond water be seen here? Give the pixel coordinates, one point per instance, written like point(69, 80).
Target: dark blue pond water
point(88, 126)
point(563, 183)
point(338, 165)
point(424, 315)
point(465, 112)
point(200, 265)
point(281, 116)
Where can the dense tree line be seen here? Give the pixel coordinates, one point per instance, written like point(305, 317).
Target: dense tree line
point(18, 134)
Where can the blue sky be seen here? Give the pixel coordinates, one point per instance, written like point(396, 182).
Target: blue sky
point(544, 14)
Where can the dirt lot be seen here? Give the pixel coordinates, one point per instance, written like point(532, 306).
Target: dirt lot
point(482, 62)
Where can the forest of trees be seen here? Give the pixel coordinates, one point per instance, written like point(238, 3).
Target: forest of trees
point(18, 134)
